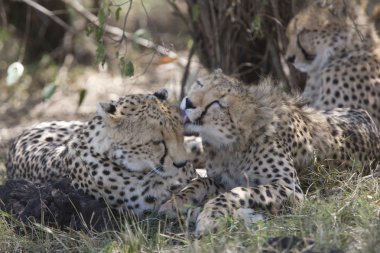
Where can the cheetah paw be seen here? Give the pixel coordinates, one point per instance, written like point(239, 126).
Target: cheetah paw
point(249, 216)
point(206, 225)
point(176, 207)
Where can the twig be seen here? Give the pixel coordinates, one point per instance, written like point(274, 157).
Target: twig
point(216, 35)
point(179, 13)
point(48, 13)
point(3, 15)
point(354, 22)
point(26, 34)
point(148, 65)
point(121, 4)
point(276, 63)
point(144, 8)
point(125, 22)
point(187, 70)
point(119, 32)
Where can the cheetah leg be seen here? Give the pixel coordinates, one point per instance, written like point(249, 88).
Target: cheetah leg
point(237, 202)
point(195, 194)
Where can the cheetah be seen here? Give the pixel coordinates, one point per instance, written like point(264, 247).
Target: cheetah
point(194, 149)
point(334, 43)
point(256, 141)
point(130, 153)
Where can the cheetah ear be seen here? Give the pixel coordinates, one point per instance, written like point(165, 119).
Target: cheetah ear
point(108, 112)
point(253, 118)
point(305, 42)
point(339, 8)
point(161, 94)
point(107, 108)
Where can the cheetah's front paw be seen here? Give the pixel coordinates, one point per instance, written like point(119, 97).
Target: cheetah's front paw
point(249, 216)
point(210, 220)
point(207, 223)
point(178, 206)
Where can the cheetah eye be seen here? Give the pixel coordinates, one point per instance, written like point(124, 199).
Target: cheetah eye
point(199, 83)
point(217, 102)
point(220, 104)
point(308, 56)
point(157, 142)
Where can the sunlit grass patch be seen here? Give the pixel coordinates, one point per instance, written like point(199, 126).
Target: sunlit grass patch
point(346, 218)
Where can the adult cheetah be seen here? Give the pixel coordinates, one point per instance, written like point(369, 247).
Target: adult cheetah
point(333, 42)
point(130, 154)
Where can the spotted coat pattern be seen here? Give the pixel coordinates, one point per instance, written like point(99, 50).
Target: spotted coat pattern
point(333, 42)
point(130, 154)
point(256, 142)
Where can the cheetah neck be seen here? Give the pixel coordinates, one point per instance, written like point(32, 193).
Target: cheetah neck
point(352, 41)
point(90, 140)
point(294, 122)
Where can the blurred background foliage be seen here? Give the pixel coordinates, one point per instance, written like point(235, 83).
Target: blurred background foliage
point(55, 40)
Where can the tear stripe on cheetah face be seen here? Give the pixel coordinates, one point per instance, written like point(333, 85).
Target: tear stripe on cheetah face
point(142, 130)
point(333, 42)
point(258, 138)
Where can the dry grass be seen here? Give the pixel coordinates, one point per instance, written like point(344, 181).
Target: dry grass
point(344, 216)
point(341, 211)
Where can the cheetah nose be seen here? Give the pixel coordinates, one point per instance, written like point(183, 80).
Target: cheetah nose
point(291, 59)
point(180, 164)
point(189, 104)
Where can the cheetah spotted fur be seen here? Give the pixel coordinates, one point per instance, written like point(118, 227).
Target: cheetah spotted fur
point(130, 154)
point(256, 141)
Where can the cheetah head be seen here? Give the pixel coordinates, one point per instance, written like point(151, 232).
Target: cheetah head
point(143, 132)
point(221, 110)
point(322, 29)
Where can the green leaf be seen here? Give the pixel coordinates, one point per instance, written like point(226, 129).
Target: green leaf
point(256, 27)
point(102, 17)
point(49, 90)
point(127, 68)
point(195, 12)
point(89, 29)
point(14, 73)
point(4, 34)
point(139, 32)
point(100, 53)
point(99, 31)
point(82, 95)
point(117, 13)
point(108, 248)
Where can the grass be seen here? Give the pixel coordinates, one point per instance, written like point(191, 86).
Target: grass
point(345, 216)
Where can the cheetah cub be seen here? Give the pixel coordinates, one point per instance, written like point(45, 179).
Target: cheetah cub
point(256, 139)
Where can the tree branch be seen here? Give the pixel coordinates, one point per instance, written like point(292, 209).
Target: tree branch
point(186, 73)
point(48, 13)
point(119, 32)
